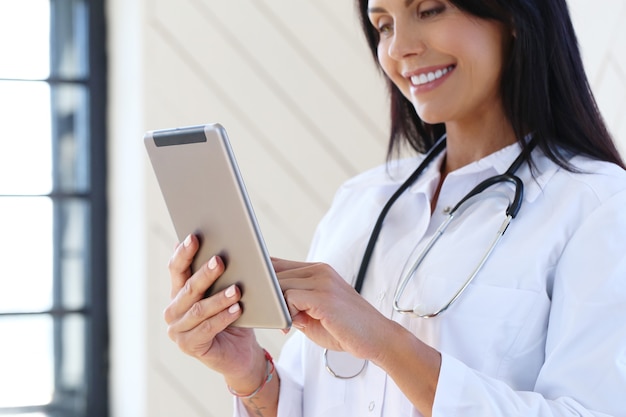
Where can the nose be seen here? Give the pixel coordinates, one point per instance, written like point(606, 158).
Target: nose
point(407, 40)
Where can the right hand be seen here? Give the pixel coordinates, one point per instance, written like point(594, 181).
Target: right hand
point(200, 326)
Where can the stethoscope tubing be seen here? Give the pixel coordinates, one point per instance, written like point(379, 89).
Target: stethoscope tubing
point(407, 277)
point(511, 212)
point(436, 149)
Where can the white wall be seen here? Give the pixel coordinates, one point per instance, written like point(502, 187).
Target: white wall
point(293, 83)
point(602, 38)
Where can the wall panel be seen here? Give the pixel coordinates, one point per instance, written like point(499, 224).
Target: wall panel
point(294, 84)
point(305, 110)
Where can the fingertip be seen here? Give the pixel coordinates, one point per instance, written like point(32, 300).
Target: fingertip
point(231, 291)
point(278, 264)
point(215, 263)
point(182, 247)
point(234, 309)
point(212, 263)
point(299, 321)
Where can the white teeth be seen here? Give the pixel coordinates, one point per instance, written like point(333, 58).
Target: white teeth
point(429, 77)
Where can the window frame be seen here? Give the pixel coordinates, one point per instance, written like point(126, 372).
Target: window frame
point(97, 358)
point(95, 311)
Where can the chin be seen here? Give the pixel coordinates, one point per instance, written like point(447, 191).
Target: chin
point(429, 116)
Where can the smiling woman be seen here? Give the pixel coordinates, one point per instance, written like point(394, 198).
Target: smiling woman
point(447, 63)
point(51, 200)
point(494, 98)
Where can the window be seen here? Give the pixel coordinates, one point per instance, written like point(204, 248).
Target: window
point(53, 294)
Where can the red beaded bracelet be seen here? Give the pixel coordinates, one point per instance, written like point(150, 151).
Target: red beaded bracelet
point(269, 372)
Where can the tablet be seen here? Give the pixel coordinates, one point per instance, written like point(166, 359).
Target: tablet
point(205, 195)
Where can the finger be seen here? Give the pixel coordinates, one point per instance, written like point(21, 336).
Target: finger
point(290, 285)
point(207, 308)
point(304, 301)
point(300, 321)
point(314, 331)
point(281, 265)
point(194, 289)
point(326, 327)
point(293, 310)
point(320, 301)
point(198, 340)
point(315, 276)
point(180, 263)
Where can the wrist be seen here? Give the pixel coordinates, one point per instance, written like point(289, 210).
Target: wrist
point(257, 376)
point(407, 356)
point(395, 341)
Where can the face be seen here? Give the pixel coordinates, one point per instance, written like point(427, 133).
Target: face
point(446, 62)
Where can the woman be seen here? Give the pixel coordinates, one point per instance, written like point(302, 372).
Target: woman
point(539, 330)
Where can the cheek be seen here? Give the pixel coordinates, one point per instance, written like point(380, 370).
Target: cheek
point(486, 52)
point(383, 60)
point(387, 67)
point(483, 46)
point(390, 68)
point(472, 42)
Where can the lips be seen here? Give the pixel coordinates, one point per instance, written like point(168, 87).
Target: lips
point(428, 77)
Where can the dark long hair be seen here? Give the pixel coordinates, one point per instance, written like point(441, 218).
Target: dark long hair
point(544, 87)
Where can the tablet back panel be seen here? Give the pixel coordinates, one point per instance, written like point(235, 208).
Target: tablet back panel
point(205, 195)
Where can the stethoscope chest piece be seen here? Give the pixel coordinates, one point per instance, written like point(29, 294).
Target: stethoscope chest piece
point(342, 365)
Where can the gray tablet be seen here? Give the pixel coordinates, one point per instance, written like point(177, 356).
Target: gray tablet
point(205, 195)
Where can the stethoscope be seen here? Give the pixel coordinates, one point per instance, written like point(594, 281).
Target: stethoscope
point(345, 366)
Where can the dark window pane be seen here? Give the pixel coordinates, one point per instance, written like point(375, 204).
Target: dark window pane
point(71, 386)
point(70, 146)
point(69, 24)
point(72, 225)
point(26, 248)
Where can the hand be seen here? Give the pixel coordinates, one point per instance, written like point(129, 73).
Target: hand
point(328, 310)
point(200, 326)
point(332, 314)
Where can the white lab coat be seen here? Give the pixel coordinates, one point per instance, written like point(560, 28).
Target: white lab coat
point(541, 331)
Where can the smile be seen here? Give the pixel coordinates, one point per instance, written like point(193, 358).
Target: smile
point(429, 77)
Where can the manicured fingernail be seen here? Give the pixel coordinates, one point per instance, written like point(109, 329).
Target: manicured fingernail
point(230, 291)
point(234, 308)
point(187, 241)
point(212, 263)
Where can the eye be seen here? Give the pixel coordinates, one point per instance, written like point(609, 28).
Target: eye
point(385, 29)
point(431, 10)
point(383, 25)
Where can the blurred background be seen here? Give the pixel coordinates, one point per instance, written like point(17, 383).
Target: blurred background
point(84, 233)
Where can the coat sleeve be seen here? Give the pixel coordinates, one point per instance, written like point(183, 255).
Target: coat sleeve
point(584, 372)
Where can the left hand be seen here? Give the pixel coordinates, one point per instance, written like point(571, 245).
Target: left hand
point(328, 310)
